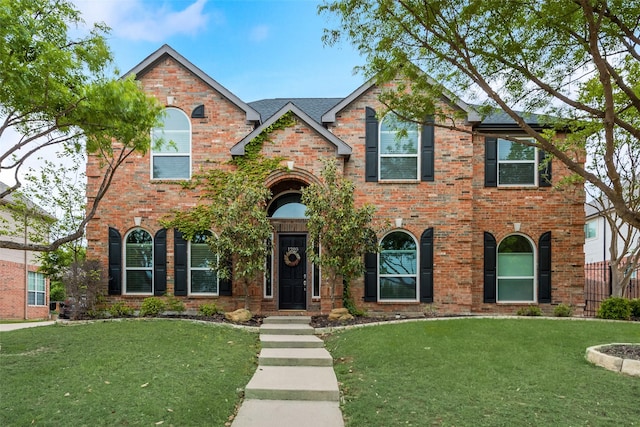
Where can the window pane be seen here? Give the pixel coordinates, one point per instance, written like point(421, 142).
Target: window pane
point(399, 168)
point(515, 289)
point(175, 119)
point(398, 288)
point(31, 298)
point(139, 255)
point(40, 298)
point(32, 281)
point(165, 141)
point(291, 210)
point(204, 281)
point(139, 281)
point(515, 264)
point(201, 255)
point(398, 262)
point(171, 167)
point(390, 143)
point(508, 150)
point(517, 173)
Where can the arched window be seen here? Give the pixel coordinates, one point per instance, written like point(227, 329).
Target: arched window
point(203, 278)
point(516, 270)
point(288, 206)
point(399, 142)
point(398, 267)
point(139, 262)
point(171, 146)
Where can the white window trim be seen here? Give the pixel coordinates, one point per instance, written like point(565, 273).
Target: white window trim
point(271, 267)
point(417, 275)
point(125, 269)
point(381, 156)
point(534, 277)
point(37, 275)
point(313, 278)
point(190, 269)
point(535, 162)
point(189, 154)
point(595, 229)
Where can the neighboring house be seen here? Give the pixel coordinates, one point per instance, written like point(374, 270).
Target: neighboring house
point(476, 227)
point(24, 292)
point(598, 239)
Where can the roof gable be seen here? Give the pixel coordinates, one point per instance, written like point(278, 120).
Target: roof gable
point(166, 50)
point(342, 148)
point(330, 116)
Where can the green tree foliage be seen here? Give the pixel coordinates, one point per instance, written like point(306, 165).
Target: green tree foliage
point(576, 62)
point(234, 208)
point(344, 231)
point(61, 91)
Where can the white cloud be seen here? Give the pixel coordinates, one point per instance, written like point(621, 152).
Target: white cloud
point(259, 33)
point(151, 21)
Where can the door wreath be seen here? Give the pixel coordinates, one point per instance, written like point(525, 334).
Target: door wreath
point(292, 257)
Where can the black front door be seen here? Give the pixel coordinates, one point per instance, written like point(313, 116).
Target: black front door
point(292, 270)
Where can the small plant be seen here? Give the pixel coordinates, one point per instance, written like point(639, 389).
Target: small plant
point(152, 306)
point(174, 304)
point(635, 308)
point(615, 308)
point(119, 309)
point(563, 310)
point(208, 309)
point(532, 310)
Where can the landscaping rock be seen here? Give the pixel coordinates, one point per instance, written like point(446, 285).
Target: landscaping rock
point(340, 314)
point(239, 316)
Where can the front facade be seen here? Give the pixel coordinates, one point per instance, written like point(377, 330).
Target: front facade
point(24, 292)
point(475, 226)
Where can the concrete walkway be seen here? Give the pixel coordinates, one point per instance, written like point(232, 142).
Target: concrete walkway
point(294, 384)
point(4, 327)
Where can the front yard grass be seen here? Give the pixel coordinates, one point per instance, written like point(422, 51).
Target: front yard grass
point(483, 372)
point(136, 372)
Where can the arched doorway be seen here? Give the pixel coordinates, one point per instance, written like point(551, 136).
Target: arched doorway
point(291, 265)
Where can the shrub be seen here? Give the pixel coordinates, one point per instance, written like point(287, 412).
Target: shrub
point(152, 306)
point(208, 309)
point(119, 309)
point(615, 308)
point(635, 308)
point(532, 310)
point(174, 304)
point(563, 310)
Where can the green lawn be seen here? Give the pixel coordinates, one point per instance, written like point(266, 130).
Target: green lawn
point(144, 372)
point(483, 372)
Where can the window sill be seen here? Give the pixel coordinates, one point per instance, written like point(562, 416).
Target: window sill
point(399, 181)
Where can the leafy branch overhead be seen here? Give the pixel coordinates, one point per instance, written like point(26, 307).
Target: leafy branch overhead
point(58, 91)
point(573, 64)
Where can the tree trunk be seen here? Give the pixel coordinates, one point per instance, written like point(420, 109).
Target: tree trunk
point(619, 280)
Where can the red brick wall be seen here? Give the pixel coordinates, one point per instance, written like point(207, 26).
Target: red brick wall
point(13, 294)
point(456, 204)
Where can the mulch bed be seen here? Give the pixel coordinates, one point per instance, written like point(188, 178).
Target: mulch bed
point(623, 351)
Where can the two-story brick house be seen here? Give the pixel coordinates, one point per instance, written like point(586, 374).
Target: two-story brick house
point(475, 226)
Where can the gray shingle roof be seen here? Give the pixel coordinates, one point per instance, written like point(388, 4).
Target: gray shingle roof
point(313, 107)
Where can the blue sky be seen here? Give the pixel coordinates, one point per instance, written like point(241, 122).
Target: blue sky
point(255, 48)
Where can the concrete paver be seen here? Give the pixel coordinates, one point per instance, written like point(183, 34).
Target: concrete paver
point(4, 327)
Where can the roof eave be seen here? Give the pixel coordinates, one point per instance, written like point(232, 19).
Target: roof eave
point(252, 116)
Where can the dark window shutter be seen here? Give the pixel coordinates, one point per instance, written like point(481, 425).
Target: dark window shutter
point(426, 266)
point(371, 277)
point(544, 174)
point(428, 153)
point(224, 285)
point(371, 145)
point(544, 268)
point(115, 262)
point(160, 263)
point(490, 162)
point(489, 267)
point(180, 264)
